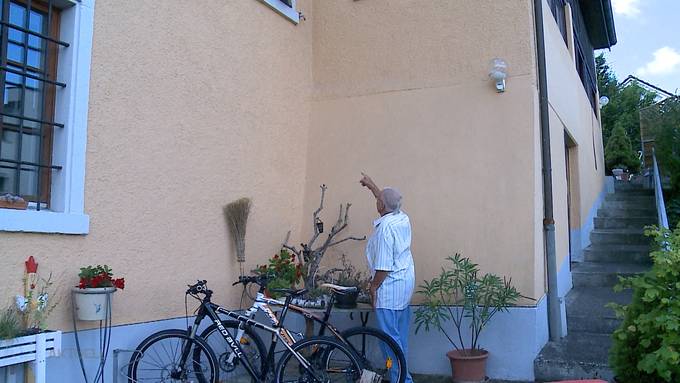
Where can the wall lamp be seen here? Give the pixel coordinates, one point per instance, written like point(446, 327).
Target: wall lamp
point(499, 73)
point(604, 100)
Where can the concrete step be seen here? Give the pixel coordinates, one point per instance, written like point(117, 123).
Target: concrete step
point(617, 253)
point(619, 237)
point(641, 199)
point(576, 356)
point(623, 222)
point(626, 185)
point(635, 192)
point(627, 213)
point(594, 274)
point(587, 311)
point(629, 206)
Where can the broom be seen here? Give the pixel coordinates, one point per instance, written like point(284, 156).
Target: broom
point(236, 214)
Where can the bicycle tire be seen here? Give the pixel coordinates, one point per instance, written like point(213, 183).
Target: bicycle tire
point(366, 353)
point(216, 342)
point(320, 350)
point(137, 373)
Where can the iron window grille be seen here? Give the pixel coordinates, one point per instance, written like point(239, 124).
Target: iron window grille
point(28, 61)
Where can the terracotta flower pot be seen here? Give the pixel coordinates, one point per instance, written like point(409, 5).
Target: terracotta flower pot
point(468, 366)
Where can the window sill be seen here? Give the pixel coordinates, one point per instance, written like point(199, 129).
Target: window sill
point(284, 10)
point(43, 221)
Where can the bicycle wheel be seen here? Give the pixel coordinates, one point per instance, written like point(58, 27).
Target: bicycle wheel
point(252, 345)
point(159, 359)
point(377, 352)
point(318, 360)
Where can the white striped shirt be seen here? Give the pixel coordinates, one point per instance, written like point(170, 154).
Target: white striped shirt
point(389, 249)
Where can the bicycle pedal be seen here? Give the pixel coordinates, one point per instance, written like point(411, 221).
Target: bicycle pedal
point(368, 376)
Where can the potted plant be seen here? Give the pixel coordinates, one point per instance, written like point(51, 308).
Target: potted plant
point(646, 346)
point(347, 275)
point(10, 201)
point(283, 270)
point(93, 295)
point(23, 328)
point(459, 297)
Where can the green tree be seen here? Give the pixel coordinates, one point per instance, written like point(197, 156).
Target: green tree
point(624, 105)
point(619, 153)
point(664, 120)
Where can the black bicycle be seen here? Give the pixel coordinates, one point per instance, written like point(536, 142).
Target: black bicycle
point(377, 351)
point(182, 356)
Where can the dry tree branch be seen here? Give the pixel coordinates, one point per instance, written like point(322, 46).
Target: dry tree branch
point(315, 216)
point(347, 239)
point(288, 247)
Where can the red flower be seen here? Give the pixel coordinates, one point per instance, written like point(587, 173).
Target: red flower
point(119, 283)
point(31, 265)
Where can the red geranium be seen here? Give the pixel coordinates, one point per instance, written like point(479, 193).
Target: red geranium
point(99, 276)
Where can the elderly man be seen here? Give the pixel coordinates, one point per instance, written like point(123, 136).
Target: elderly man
point(389, 257)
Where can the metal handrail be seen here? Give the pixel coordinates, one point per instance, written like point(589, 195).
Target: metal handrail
point(658, 194)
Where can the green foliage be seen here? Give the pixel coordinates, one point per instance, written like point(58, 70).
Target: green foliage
point(478, 298)
point(664, 122)
point(624, 105)
point(619, 153)
point(283, 270)
point(646, 347)
point(10, 323)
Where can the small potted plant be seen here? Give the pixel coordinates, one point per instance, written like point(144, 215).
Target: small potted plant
point(283, 270)
point(23, 327)
point(347, 275)
point(468, 301)
point(10, 201)
point(93, 295)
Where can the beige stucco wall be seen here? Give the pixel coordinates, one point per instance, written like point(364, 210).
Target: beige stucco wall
point(402, 93)
point(570, 112)
point(190, 108)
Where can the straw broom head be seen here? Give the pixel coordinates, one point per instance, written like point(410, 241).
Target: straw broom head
point(236, 214)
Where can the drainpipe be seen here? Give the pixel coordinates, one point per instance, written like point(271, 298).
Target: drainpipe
point(554, 306)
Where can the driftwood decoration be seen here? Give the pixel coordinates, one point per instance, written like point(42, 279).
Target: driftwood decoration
point(312, 256)
point(236, 214)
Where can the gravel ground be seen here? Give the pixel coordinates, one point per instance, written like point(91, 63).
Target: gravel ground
point(417, 378)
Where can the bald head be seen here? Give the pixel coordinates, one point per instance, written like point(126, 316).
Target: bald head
point(391, 199)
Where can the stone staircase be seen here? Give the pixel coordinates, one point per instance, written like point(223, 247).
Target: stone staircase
point(618, 247)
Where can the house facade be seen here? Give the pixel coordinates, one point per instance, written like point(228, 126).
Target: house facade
point(160, 113)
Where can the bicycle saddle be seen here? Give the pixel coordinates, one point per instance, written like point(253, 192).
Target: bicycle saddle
point(340, 289)
point(290, 292)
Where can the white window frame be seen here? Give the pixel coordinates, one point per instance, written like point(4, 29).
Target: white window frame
point(289, 12)
point(67, 196)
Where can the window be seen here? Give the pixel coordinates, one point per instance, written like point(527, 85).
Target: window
point(45, 54)
point(28, 64)
point(557, 7)
point(286, 8)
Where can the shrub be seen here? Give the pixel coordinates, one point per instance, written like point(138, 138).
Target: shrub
point(646, 347)
point(619, 153)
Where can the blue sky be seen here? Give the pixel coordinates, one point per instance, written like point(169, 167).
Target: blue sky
point(648, 45)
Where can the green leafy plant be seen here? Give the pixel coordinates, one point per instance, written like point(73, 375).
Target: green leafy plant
point(10, 323)
point(461, 298)
point(646, 347)
point(99, 276)
point(37, 304)
point(619, 151)
point(283, 269)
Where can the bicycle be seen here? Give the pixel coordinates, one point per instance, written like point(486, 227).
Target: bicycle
point(378, 352)
point(188, 358)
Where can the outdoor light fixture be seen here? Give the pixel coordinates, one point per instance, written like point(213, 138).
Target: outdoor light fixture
point(604, 100)
point(499, 73)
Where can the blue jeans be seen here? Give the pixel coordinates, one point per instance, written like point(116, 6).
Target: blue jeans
point(396, 324)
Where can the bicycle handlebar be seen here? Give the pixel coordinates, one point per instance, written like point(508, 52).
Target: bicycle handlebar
point(198, 287)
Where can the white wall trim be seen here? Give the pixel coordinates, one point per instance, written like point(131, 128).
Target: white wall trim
point(66, 213)
point(289, 12)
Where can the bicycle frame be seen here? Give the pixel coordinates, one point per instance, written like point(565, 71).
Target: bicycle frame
point(211, 310)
